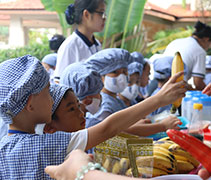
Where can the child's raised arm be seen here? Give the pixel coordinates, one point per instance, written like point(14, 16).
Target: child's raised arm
point(123, 119)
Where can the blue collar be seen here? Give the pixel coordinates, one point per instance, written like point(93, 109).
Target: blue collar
point(11, 131)
point(86, 40)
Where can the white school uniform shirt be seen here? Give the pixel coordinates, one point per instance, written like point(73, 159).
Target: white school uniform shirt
point(74, 49)
point(25, 156)
point(193, 55)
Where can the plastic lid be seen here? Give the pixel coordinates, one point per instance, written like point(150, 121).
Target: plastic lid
point(197, 106)
point(207, 136)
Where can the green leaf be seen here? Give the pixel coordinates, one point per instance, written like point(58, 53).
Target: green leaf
point(61, 5)
point(48, 4)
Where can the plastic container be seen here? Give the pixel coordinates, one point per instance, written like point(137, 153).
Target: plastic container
point(196, 125)
point(206, 112)
point(207, 137)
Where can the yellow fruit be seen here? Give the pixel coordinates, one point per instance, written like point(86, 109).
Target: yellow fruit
point(184, 167)
point(177, 66)
point(165, 144)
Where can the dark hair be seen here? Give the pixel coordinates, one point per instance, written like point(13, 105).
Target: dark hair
point(74, 12)
point(202, 30)
point(56, 41)
point(54, 116)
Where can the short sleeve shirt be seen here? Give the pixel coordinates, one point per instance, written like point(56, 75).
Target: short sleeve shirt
point(74, 49)
point(193, 55)
point(25, 156)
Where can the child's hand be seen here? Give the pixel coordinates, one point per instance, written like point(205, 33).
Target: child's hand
point(171, 122)
point(207, 90)
point(172, 90)
point(69, 168)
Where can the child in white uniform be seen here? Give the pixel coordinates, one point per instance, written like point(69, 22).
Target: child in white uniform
point(25, 101)
point(207, 78)
point(89, 15)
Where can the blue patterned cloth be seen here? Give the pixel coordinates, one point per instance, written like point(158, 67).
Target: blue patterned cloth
point(161, 109)
point(135, 67)
point(25, 156)
point(3, 128)
point(83, 80)
point(19, 78)
point(162, 67)
point(50, 59)
point(109, 60)
point(109, 104)
point(138, 57)
point(57, 92)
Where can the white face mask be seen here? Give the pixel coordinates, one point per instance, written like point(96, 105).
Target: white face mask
point(50, 72)
point(94, 106)
point(131, 92)
point(116, 84)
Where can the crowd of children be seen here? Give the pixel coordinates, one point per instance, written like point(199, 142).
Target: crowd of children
point(44, 119)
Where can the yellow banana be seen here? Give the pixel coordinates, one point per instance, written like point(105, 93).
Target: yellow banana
point(184, 166)
point(147, 170)
point(107, 164)
point(177, 150)
point(159, 162)
point(177, 66)
point(164, 144)
point(116, 168)
point(163, 152)
point(124, 164)
point(165, 139)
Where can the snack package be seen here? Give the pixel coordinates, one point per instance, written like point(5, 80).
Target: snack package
point(140, 153)
point(113, 153)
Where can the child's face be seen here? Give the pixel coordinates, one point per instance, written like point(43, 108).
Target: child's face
point(70, 118)
point(43, 103)
point(134, 79)
point(118, 72)
point(145, 76)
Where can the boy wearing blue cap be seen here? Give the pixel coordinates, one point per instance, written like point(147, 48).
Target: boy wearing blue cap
point(25, 101)
point(86, 84)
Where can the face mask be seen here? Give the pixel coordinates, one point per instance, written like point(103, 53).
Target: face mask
point(39, 128)
point(115, 84)
point(131, 92)
point(94, 106)
point(50, 72)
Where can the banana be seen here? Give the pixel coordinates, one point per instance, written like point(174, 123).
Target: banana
point(177, 66)
point(164, 139)
point(177, 150)
point(116, 168)
point(124, 165)
point(147, 171)
point(184, 166)
point(107, 164)
point(164, 153)
point(157, 161)
point(164, 144)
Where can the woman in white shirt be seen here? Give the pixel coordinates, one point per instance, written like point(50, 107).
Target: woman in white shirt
point(193, 51)
point(89, 16)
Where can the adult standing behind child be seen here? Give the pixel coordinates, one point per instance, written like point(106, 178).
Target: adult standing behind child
point(193, 51)
point(207, 78)
point(89, 16)
point(49, 61)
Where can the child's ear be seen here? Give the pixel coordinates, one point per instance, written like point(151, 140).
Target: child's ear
point(49, 129)
point(86, 14)
point(29, 103)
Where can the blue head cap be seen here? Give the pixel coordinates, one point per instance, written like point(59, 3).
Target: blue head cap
point(135, 67)
point(50, 59)
point(19, 78)
point(57, 92)
point(83, 80)
point(208, 62)
point(162, 67)
point(109, 60)
point(138, 57)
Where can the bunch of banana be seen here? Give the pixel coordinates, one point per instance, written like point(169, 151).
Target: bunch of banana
point(116, 166)
point(143, 171)
point(163, 143)
point(162, 159)
point(185, 161)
